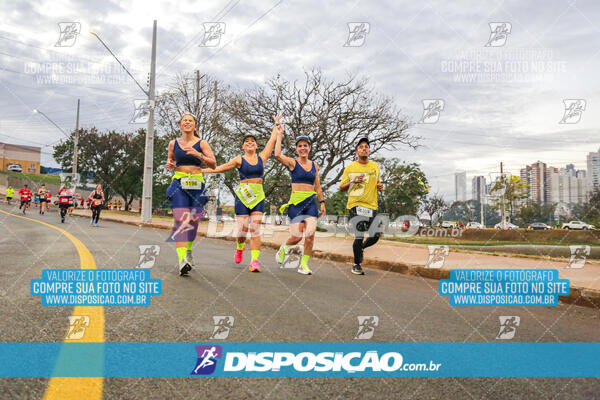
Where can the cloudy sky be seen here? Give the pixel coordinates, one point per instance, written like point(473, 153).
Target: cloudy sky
point(501, 102)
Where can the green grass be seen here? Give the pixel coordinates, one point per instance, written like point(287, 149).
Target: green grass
point(42, 178)
point(460, 242)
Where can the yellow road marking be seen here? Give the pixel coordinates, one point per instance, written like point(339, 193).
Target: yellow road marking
point(77, 388)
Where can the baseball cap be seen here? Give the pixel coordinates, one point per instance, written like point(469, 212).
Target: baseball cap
point(246, 136)
point(361, 140)
point(303, 138)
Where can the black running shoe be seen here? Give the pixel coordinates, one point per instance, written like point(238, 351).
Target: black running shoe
point(357, 269)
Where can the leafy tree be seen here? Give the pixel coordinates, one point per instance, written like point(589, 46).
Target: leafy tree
point(115, 158)
point(513, 189)
point(336, 203)
point(589, 211)
point(405, 186)
point(535, 212)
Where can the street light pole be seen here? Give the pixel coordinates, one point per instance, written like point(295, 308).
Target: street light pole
point(149, 147)
point(76, 140)
point(149, 150)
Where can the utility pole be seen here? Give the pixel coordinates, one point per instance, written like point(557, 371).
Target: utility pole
point(76, 141)
point(481, 199)
point(502, 220)
point(149, 150)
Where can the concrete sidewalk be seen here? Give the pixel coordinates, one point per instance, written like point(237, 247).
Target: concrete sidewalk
point(401, 257)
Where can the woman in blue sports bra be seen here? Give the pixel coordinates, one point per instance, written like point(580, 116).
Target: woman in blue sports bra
point(303, 211)
point(250, 196)
point(187, 153)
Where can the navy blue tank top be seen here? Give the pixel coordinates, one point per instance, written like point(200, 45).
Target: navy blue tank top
point(182, 158)
point(249, 171)
point(300, 175)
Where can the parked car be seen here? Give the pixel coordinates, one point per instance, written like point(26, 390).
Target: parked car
point(14, 167)
point(447, 224)
point(475, 225)
point(508, 225)
point(577, 225)
point(538, 226)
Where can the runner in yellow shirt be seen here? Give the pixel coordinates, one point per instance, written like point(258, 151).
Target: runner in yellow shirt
point(10, 192)
point(362, 179)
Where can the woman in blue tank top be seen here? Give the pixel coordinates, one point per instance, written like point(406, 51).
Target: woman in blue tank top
point(250, 196)
point(303, 211)
point(187, 154)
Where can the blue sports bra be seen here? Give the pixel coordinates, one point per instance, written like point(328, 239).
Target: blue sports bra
point(182, 158)
point(300, 175)
point(249, 171)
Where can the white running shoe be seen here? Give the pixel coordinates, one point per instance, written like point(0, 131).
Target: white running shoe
point(189, 258)
point(304, 270)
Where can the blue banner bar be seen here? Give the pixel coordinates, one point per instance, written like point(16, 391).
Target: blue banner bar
point(343, 359)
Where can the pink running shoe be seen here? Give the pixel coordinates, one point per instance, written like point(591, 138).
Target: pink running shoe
point(254, 267)
point(239, 256)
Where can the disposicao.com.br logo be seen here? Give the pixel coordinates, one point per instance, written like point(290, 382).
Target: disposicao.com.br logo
point(324, 363)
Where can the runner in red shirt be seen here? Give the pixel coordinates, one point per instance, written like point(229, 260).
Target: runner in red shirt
point(25, 194)
point(65, 201)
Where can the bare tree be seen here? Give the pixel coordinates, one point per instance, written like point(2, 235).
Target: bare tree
point(434, 206)
point(333, 114)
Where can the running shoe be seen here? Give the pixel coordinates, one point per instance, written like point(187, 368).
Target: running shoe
point(239, 256)
point(184, 267)
point(254, 267)
point(357, 269)
point(304, 270)
point(92, 222)
point(280, 256)
point(189, 258)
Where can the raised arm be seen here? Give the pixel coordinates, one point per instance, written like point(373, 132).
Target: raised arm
point(289, 162)
point(228, 166)
point(268, 150)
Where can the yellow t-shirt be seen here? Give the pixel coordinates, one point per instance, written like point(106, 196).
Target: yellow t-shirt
point(365, 193)
point(10, 192)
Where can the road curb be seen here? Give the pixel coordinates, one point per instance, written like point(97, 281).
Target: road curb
point(577, 295)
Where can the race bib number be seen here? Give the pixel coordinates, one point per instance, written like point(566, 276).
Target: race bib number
point(247, 194)
point(97, 202)
point(364, 211)
point(189, 183)
point(63, 200)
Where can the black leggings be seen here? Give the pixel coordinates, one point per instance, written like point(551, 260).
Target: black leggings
point(96, 214)
point(359, 228)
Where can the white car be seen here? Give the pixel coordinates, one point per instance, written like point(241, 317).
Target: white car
point(447, 224)
point(14, 167)
point(577, 225)
point(475, 225)
point(508, 225)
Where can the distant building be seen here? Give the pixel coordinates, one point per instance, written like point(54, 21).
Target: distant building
point(535, 176)
point(593, 170)
point(27, 157)
point(460, 186)
point(479, 189)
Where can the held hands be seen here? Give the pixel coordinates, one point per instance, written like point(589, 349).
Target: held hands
point(380, 186)
point(279, 122)
point(358, 179)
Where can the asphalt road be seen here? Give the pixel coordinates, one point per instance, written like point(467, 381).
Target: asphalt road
point(276, 305)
